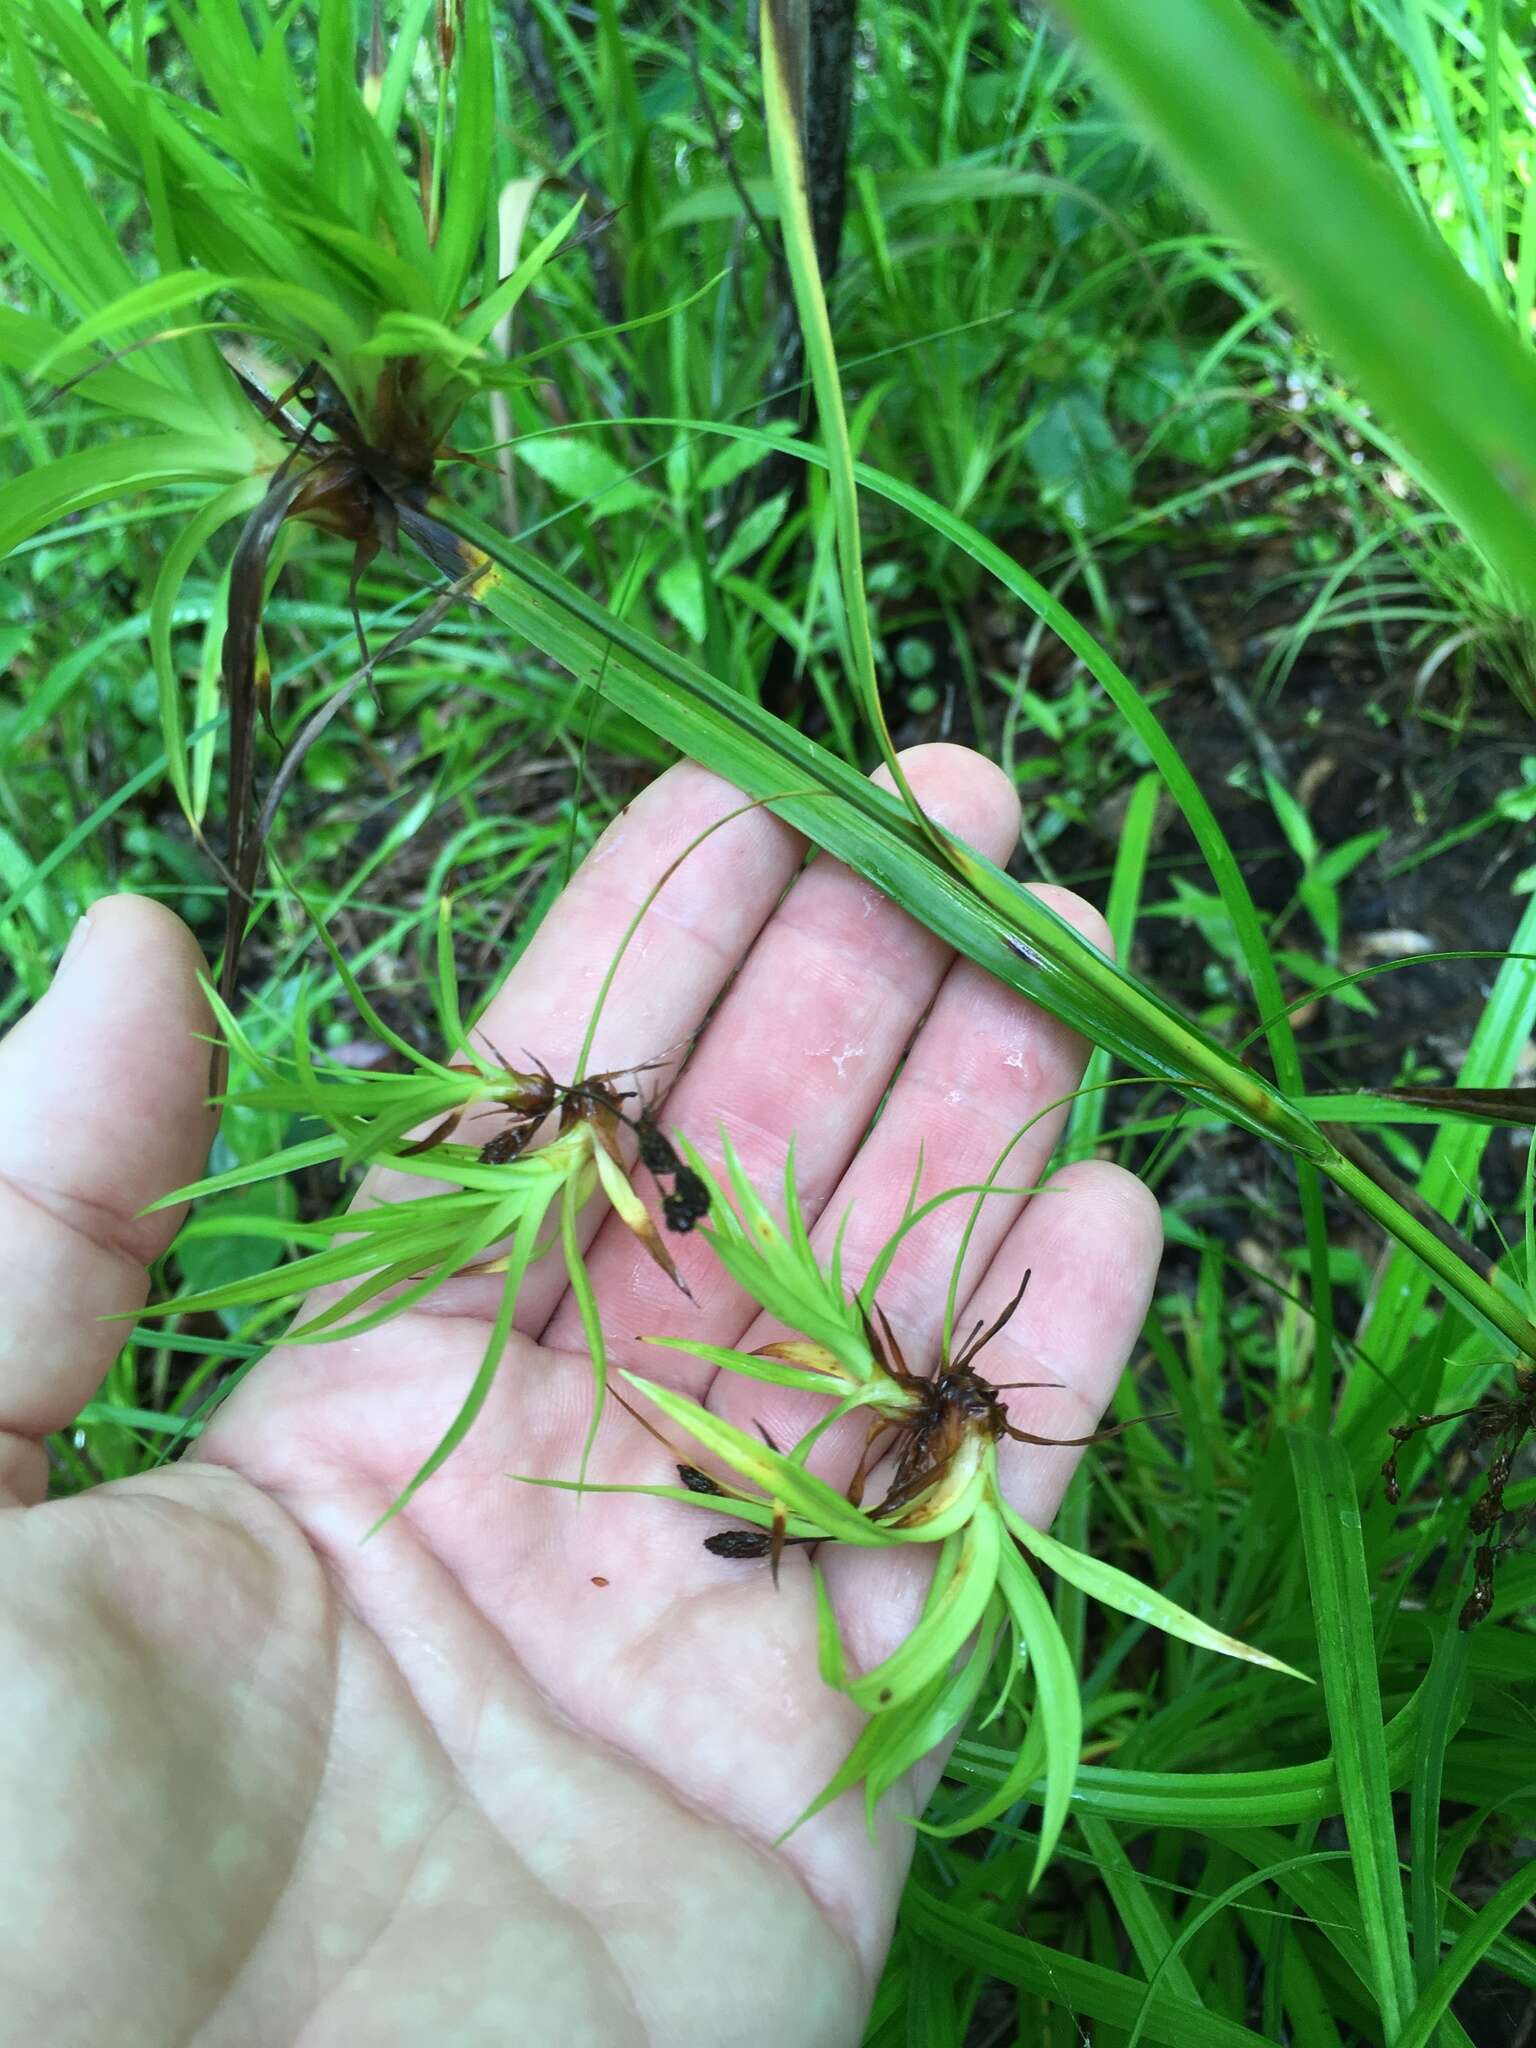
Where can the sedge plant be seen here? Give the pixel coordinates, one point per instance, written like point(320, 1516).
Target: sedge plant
point(1230, 1772)
point(933, 1428)
point(322, 309)
point(492, 1207)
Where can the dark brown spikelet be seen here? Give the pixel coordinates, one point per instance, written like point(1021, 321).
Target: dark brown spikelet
point(1504, 1421)
point(657, 1152)
point(507, 1145)
point(447, 32)
point(688, 1202)
point(1479, 1602)
point(697, 1481)
point(748, 1543)
point(1394, 1490)
point(527, 1099)
point(1489, 1509)
point(739, 1543)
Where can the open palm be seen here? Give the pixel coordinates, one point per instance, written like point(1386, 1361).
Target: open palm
point(515, 1769)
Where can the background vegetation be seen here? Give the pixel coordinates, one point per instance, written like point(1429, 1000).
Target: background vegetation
point(1226, 412)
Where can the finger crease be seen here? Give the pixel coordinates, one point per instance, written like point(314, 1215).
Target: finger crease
point(102, 1228)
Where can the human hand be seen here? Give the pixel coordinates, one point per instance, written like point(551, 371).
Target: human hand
point(514, 1769)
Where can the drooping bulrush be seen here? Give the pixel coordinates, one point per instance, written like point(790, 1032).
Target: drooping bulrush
point(986, 1627)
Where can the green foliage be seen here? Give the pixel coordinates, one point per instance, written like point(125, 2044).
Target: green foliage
point(1034, 351)
point(1444, 356)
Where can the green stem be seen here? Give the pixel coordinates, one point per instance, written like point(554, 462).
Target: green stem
point(1453, 1272)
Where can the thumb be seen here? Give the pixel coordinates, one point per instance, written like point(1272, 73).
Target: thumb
point(101, 1110)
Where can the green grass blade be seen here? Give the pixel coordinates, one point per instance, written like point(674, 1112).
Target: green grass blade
point(471, 196)
point(783, 89)
point(1288, 1795)
point(1112, 1587)
point(1031, 1759)
point(962, 1589)
point(591, 1321)
point(1087, 1119)
point(1140, 1910)
point(523, 1251)
point(1452, 380)
point(770, 1370)
point(1464, 1954)
point(1341, 1605)
point(1210, 1911)
point(146, 303)
point(487, 317)
point(147, 463)
point(1443, 1689)
point(1058, 1701)
point(1088, 1990)
point(292, 1159)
